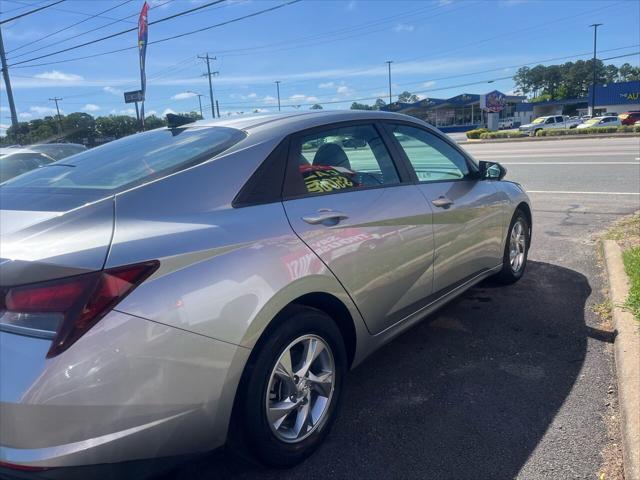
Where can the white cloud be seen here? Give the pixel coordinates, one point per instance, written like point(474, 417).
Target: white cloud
point(252, 95)
point(25, 115)
point(444, 2)
point(268, 99)
point(300, 98)
point(428, 84)
point(150, 112)
point(124, 111)
point(327, 85)
point(57, 75)
point(344, 90)
point(168, 110)
point(404, 27)
point(183, 95)
point(44, 110)
point(91, 107)
point(351, 5)
point(112, 90)
point(4, 109)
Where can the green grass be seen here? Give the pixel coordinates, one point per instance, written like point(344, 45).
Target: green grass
point(631, 259)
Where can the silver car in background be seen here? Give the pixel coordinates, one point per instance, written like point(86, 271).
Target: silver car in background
point(211, 283)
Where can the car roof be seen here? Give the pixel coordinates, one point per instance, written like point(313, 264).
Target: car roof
point(63, 144)
point(13, 150)
point(292, 121)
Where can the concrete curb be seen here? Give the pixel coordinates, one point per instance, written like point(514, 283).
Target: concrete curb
point(545, 139)
point(627, 353)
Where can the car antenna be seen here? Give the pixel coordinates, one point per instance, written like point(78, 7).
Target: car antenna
point(175, 121)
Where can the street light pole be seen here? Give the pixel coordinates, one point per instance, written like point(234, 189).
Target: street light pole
point(593, 85)
point(200, 104)
point(389, 62)
point(199, 95)
point(278, 89)
point(57, 99)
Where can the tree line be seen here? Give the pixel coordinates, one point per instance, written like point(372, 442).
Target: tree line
point(81, 128)
point(569, 80)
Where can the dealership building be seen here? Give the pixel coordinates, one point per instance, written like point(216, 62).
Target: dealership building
point(469, 110)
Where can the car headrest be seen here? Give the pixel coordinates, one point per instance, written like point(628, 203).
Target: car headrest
point(332, 155)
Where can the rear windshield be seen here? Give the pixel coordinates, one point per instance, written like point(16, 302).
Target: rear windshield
point(132, 160)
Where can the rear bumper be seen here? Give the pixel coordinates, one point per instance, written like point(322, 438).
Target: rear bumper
point(129, 389)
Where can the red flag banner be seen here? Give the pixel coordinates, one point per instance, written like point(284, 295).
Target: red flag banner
point(143, 34)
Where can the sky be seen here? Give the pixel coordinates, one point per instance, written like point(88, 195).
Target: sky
point(322, 51)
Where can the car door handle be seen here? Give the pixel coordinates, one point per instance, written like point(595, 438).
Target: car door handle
point(442, 202)
point(325, 216)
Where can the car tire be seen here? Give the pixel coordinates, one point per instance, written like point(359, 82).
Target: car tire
point(267, 388)
point(516, 249)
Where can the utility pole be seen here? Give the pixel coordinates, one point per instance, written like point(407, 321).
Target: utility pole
point(278, 89)
point(389, 62)
point(209, 74)
point(593, 86)
point(57, 99)
point(7, 84)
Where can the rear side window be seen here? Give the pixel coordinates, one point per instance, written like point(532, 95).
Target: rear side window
point(132, 160)
point(432, 158)
point(341, 159)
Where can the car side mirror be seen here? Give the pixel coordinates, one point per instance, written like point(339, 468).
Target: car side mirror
point(492, 171)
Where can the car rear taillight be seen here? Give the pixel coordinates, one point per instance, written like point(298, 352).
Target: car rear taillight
point(65, 309)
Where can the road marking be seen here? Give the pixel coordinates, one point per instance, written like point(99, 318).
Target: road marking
point(583, 193)
point(532, 155)
point(569, 163)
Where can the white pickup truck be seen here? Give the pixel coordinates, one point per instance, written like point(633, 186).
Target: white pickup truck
point(549, 123)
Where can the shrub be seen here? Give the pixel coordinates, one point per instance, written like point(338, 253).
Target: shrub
point(503, 134)
point(476, 133)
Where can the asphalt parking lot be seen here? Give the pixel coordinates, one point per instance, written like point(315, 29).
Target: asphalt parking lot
point(505, 382)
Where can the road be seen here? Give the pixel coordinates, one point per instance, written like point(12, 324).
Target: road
point(505, 382)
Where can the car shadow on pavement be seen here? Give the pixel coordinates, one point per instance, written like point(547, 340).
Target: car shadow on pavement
point(467, 394)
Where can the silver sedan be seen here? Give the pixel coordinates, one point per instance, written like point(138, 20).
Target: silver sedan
point(211, 283)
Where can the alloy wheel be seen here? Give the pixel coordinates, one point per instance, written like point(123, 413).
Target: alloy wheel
point(517, 246)
point(300, 389)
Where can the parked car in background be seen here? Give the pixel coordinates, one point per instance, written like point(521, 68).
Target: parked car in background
point(545, 123)
point(58, 151)
point(573, 122)
point(179, 287)
point(596, 122)
point(506, 123)
point(15, 161)
point(629, 118)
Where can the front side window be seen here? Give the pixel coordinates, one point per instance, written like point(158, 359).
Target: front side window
point(342, 159)
point(549, 120)
point(432, 158)
point(559, 119)
point(131, 160)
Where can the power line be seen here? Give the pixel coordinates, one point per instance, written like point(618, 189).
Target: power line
point(23, 6)
point(173, 37)
point(86, 32)
point(117, 34)
point(63, 10)
point(70, 26)
point(497, 69)
point(30, 12)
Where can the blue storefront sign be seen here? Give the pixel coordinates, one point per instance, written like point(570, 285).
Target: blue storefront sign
point(617, 93)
